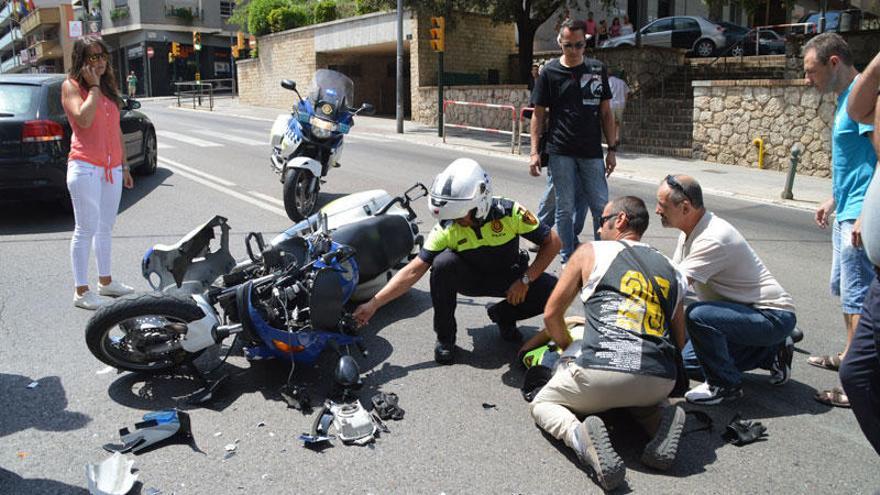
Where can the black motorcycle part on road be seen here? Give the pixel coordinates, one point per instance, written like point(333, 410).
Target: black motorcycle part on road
point(106, 318)
point(379, 243)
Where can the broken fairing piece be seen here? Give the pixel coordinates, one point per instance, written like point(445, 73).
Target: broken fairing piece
point(156, 427)
point(353, 423)
point(113, 476)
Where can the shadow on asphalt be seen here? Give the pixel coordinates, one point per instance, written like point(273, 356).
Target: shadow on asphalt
point(13, 483)
point(43, 407)
point(31, 217)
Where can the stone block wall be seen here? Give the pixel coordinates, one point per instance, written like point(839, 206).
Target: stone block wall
point(492, 118)
point(645, 66)
point(287, 55)
point(729, 115)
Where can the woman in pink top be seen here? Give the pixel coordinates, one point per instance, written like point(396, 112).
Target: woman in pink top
point(96, 168)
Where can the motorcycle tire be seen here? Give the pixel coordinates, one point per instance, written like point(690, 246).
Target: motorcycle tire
point(299, 201)
point(140, 309)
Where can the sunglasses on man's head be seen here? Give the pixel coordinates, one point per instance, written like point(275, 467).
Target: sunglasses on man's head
point(672, 182)
point(94, 57)
point(578, 45)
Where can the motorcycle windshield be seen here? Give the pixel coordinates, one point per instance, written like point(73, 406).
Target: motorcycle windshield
point(331, 93)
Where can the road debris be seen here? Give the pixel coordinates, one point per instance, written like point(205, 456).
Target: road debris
point(113, 476)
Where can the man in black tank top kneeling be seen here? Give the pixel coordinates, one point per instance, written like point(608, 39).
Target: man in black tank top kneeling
point(632, 296)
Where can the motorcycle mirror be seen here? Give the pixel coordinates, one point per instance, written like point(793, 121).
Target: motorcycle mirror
point(288, 84)
point(415, 192)
point(366, 109)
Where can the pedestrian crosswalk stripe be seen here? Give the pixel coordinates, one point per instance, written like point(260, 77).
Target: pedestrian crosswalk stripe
point(232, 137)
point(187, 139)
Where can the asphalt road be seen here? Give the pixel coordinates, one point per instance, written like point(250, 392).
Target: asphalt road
point(447, 442)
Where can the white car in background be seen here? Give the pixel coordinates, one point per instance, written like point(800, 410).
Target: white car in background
point(698, 35)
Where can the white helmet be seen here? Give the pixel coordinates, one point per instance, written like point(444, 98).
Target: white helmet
point(460, 188)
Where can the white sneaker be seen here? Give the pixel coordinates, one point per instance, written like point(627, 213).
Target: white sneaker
point(709, 395)
point(90, 301)
point(114, 289)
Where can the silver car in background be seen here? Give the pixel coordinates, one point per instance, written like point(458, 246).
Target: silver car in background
point(695, 34)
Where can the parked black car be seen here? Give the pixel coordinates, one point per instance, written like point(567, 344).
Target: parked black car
point(35, 138)
point(768, 43)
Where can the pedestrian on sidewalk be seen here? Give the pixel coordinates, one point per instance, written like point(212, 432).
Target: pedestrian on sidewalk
point(96, 167)
point(626, 27)
point(132, 81)
point(860, 369)
point(619, 92)
point(828, 66)
point(744, 318)
point(628, 353)
point(589, 29)
point(575, 90)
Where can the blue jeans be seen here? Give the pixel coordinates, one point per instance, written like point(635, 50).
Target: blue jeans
point(547, 207)
point(577, 180)
point(729, 338)
point(860, 370)
point(851, 271)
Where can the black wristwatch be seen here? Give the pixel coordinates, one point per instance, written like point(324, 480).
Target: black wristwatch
point(613, 147)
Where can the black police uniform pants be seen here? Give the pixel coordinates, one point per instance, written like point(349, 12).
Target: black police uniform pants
point(451, 276)
point(860, 370)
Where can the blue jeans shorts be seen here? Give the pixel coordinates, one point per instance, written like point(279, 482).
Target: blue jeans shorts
point(851, 271)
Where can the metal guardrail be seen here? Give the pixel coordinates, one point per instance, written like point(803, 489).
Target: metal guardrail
point(512, 130)
point(200, 90)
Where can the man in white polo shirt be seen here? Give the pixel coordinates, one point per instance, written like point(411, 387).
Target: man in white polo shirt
point(744, 318)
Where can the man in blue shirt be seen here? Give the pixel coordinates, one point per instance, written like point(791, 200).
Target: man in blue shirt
point(828, 65)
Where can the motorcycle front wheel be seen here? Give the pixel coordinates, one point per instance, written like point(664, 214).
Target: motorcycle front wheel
point(299, 194)
point(140, 332)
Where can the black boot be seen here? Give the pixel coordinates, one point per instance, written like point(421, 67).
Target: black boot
point(508, 331)
point(444, 353)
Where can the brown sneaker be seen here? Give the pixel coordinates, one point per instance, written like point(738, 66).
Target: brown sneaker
point(593, 448)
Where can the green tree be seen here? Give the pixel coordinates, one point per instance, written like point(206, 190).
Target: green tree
point(288, 17)
point(325, 11)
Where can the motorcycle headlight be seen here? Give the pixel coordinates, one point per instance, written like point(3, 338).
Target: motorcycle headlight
point(322, 129)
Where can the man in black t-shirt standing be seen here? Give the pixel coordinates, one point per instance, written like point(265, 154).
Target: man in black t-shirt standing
point(632, 296)
point(577, 93)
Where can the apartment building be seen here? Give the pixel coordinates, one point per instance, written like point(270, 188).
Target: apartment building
point(141, 33)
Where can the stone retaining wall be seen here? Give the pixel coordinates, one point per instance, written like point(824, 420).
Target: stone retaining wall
point(729, 115)
point(494, 118)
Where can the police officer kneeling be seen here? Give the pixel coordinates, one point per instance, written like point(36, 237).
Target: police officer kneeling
point(474, 251)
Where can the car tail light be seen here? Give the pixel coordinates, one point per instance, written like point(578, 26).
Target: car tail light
point(41, 131)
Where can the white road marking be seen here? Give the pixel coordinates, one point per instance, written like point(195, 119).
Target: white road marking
point(369, 137)
point(193, 174)
point(187, 139)
point(233, 138)
point(267, 198)
point(191, 170)
point(163, 146)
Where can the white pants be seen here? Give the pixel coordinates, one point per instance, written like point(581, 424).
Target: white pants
point(95, 205)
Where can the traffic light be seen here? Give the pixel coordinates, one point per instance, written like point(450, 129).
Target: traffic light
point(170, 58)
point(197, 40)
point(239, 40)
point(235, 51)
point(175, 49)
point(438, 34)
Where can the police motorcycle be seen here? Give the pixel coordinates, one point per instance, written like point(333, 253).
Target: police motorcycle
point(289, 299)
point(308, 141)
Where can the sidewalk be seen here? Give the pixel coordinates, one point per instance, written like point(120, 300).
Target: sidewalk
point(751, 184)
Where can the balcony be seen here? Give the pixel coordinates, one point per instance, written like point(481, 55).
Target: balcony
point(14, 34)
point(44, 50)
point(5, 13)
point(40, 17)
point(10, 64)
